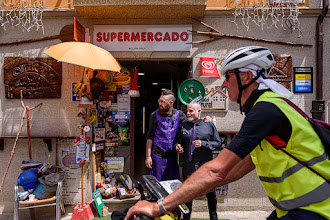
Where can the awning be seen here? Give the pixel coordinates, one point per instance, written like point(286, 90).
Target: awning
point(140, 8)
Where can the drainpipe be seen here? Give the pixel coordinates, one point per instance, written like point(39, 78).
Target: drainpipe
point(318, 105)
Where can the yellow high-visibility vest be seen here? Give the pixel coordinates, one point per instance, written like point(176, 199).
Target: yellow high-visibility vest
point(289, 184)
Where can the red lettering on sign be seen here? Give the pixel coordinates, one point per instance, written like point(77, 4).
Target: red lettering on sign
point(106, 36)
point(158, 36)
point(175, 36)
point(99, 37)
point(143, 36)
point(150, 36)
point(184, 36)
point(113, 36)
point(135, 37)
point(120, 36)
point(167, 37)
point(126, 36)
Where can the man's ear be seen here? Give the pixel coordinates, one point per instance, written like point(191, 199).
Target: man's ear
point(248, 77)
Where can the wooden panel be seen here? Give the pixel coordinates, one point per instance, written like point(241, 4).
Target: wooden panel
point(231, 3)
point(37, 78)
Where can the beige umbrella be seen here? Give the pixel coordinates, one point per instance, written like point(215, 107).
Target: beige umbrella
point(84, 54)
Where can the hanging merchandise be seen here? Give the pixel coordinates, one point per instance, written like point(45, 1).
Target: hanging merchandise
point(80, 87)
point(96, 85)
point(93, 115)
point(123, 77)
point(134, 92)
point(191, 90)
point(82, 148)
point(105, 102)
point(106, 77)
point(123, 134)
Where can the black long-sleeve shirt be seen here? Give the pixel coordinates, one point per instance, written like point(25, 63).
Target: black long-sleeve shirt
point(263, 119)
point(207, 133)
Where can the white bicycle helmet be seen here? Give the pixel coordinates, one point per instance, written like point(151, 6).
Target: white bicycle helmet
point(244, 56)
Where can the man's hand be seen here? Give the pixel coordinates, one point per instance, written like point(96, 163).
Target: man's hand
point(179, 148)
point(197, 143)
point(207, 119)
point(148, 162)
point(148, 208)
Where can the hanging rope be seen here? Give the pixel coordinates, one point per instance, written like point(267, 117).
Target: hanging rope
point(26, 108)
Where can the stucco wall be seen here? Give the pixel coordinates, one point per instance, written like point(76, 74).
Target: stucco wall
point(57, 117)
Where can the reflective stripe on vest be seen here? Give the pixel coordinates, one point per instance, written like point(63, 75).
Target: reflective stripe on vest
point(317, 195)
point(293, 169)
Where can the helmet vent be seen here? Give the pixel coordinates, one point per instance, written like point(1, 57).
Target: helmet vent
point(258, 49)
point(270, 57)
point(238, 57)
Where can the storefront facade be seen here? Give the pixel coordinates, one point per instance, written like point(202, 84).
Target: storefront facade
point(110, 24)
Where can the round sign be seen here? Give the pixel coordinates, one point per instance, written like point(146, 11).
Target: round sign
point(191, 90)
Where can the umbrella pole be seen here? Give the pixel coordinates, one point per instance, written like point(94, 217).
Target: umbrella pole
point(82, 184)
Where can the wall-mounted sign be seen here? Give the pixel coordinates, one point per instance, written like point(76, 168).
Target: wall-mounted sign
point(36, 78)
point(215, 98)
point(79, 31)
point(120, 117)
point(208, 67)
point(303, 79)
point(143, 37)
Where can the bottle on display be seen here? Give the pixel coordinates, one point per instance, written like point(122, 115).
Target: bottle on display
point(214, 120)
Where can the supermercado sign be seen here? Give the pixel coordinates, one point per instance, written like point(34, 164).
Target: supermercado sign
point(143, 37)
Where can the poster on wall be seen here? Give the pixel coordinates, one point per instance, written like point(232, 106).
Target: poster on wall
point(303, 79)
point(66, 158)
point(124, 102)
point(115, 163)
point(120, 117)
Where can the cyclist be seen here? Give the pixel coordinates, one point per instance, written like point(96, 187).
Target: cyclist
point(295, 191)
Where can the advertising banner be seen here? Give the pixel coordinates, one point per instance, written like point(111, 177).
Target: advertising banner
point(208, 67)
point(143, 37)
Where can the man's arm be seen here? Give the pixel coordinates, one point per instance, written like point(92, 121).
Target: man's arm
point(217, 172)
point(212, 141)
point(148, 154)
point(150, 136)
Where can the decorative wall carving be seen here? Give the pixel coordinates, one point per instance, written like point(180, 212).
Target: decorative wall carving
point(37, 78)
point(282, 71)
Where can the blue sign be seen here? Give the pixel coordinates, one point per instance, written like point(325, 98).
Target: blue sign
point(120, 117)
point(303, 79)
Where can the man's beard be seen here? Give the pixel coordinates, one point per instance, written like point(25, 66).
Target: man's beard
point(192, 117)
point(165, 109)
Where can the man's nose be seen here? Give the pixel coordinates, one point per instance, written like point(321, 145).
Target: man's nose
point(224, 84)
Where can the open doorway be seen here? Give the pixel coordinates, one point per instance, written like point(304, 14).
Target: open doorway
point(153, 77)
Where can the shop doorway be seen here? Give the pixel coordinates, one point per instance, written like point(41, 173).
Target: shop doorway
point(153, 77)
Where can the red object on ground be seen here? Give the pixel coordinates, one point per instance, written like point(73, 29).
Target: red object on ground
point(82, 212)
